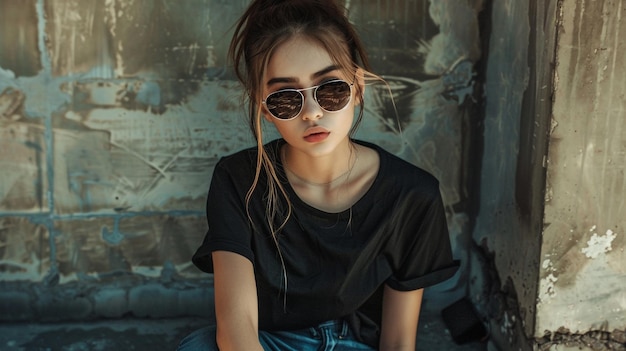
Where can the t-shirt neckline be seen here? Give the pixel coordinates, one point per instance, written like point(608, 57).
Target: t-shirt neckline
point(298, 202)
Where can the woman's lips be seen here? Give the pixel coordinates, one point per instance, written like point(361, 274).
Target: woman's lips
point(316, 137)
point(316, 134)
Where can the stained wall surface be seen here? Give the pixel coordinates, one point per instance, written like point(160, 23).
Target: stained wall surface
point(506, 243)
point(583, 263)
point(113, 114)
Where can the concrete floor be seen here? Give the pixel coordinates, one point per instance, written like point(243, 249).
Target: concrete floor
point(119, 335)
point(162, 334)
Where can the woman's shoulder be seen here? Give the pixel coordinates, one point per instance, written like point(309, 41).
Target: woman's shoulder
point(399, 172)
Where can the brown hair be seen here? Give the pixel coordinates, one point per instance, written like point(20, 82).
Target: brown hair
point(264, 26)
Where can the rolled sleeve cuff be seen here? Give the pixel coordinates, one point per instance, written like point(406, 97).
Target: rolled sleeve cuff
point(432, 278)
point(203, 260)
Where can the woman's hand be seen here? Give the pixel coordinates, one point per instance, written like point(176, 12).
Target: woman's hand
point(401, 311)
point(236, 307)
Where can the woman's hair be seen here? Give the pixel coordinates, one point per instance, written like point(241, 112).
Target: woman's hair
point(264, 26)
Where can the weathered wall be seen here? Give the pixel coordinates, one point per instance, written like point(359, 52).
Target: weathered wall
point(507, 243)
point(113, 113)
point(583, 263)
point(548, 265)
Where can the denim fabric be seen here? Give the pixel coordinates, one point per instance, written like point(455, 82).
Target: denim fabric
point(328, 336)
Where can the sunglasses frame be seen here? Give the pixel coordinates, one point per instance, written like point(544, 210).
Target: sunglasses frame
point(299, 91)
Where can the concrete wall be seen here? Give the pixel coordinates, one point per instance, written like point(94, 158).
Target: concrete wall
point(548, 260)
point(583, 263)
point(506, 240)
point(113, 114)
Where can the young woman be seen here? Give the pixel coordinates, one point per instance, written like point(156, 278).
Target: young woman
point(316, 241)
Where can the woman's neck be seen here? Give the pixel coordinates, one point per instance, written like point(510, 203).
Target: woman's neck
point(322, 171)
point(332, 184)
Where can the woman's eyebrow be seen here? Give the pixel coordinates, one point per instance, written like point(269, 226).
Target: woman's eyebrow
point(292, 80)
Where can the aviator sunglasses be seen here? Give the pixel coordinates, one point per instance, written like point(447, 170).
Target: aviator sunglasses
point(331, 96)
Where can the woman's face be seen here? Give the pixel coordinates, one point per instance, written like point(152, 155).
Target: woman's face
point(302, 63)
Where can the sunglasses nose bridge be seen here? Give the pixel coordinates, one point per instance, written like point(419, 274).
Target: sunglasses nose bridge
point(310, 107)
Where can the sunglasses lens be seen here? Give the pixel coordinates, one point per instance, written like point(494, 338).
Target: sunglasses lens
point(284, 104)
point(333, 96)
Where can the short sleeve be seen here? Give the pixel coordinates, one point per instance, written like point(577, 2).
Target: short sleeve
point(229, 228)
point(424, 257)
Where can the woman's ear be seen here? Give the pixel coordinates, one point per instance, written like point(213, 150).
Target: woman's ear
point(266, 113)
point(359, 80)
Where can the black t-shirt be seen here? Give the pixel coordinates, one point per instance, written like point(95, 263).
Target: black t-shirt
point(336, 263)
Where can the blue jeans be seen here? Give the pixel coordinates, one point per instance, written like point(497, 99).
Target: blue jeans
point(328, 336)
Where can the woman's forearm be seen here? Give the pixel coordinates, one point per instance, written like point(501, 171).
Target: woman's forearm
point(235, 303)
point(401, 311)
point(233, 336)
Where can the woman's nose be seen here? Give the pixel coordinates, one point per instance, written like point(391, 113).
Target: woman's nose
point(310, 108)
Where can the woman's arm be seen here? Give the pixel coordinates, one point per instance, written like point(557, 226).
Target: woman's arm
point(236, 306)
point(401, 311)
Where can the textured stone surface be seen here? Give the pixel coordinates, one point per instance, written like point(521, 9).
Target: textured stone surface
point(507, 240)
point(16, 305)
point(582, 286)
point(111, 302)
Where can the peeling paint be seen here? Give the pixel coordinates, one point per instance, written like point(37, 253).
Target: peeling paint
point(547, 288)
point(599, 245)
point(547, 285)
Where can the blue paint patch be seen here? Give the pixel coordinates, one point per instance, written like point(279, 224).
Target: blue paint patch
point(113, 237)
point(216, 73)
point(459, 81)
point(52, 278)
point(43, 51)
point(33, 146)
point(149, 94)
point(169, 272)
